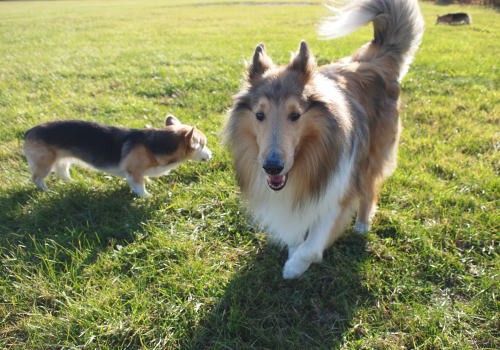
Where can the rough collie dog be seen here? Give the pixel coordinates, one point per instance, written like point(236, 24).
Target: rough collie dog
point(130, 153)
point(311, 145)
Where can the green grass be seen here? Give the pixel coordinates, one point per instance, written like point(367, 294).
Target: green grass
point(90, 266)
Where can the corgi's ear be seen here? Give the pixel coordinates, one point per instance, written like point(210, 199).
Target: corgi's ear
point(189, 138)
point(261, 62)
point(303, 61)
point(171, 120)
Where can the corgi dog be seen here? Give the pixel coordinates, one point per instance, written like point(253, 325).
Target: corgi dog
point(454, 18)
point(130, 153)
point(311, 145)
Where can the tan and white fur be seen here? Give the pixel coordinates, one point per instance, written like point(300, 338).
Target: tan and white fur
point(312, 145)
point(131, 153)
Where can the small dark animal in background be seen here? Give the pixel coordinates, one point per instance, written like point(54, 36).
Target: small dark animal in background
point(454, 18)
point(130, 153)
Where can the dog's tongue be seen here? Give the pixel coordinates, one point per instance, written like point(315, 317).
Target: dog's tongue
point(276, 182)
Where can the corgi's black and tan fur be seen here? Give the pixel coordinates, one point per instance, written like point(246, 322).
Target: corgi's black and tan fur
point(130, 153)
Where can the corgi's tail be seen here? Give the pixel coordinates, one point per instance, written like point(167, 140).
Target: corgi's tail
point(398, 28)
point(30, 133)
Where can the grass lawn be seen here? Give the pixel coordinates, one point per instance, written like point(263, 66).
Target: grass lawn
point(89, 266)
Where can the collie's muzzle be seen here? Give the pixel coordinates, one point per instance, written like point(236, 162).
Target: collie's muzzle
point(273, 166)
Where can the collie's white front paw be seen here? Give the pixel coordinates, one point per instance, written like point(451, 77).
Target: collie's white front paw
point(145, 194)
point(295, 267)
point(361, 228)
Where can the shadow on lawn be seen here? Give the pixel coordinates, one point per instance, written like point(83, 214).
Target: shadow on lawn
point(72, 218)
point(260, 310)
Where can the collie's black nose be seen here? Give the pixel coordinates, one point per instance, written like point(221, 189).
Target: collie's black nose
point(273, 166)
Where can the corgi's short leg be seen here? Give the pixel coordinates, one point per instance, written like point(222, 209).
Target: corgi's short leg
point(41, 159)
point(137, 185)
point(134, 165)
point(38, 179)
point(61, 168)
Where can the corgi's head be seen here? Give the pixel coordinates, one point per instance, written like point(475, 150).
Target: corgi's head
point(195, 142)
point(280, 123)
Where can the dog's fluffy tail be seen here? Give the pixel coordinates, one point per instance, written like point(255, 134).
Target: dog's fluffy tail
point(398, 28)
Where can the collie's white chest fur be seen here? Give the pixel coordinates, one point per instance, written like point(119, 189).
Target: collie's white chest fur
point(288, 225)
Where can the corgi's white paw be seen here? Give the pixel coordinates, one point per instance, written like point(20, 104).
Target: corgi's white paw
point(63, 172)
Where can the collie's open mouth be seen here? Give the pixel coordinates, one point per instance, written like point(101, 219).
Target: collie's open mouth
point(277, 182)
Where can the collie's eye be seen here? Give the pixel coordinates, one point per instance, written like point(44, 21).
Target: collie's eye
point(294, 116)
point(260, 116)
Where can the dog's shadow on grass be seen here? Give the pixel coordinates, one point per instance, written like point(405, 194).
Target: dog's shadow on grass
point(71, 218)
point(261, 310)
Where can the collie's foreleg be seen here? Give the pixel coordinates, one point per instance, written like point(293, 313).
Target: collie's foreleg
point(320, 237)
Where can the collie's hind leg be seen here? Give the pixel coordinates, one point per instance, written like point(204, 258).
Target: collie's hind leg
point(366, 210)
point(320, 237)
point(371, 184)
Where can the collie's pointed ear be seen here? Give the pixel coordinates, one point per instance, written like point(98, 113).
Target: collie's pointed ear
point(261, 62)
point(171, 120)
point(303, 61)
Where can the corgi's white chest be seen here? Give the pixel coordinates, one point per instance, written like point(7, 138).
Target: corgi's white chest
point(160, 170)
